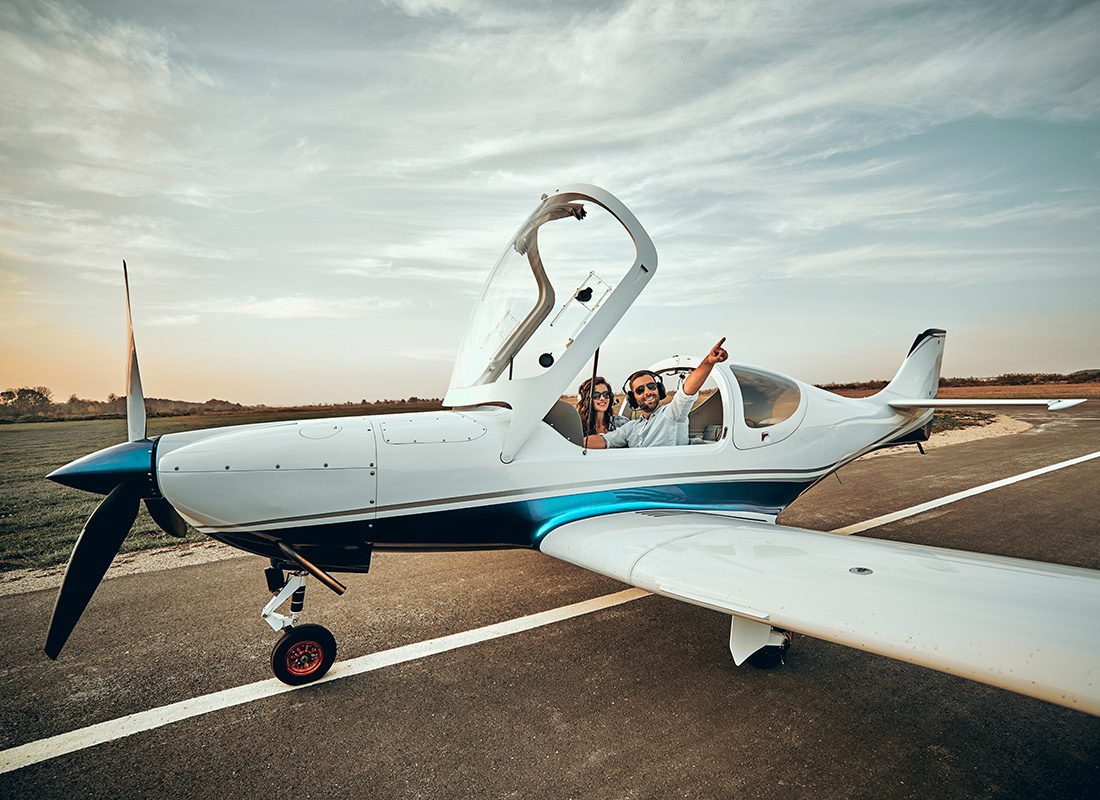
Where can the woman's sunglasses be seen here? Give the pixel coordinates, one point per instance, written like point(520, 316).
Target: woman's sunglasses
point(601, 395)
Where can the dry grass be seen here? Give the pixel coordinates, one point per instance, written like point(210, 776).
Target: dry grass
point(1028, 392)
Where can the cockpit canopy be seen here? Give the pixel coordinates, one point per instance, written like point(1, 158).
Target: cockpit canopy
point(565, 279)
point(561, 266)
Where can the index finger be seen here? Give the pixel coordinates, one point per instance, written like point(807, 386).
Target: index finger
point(719, 343)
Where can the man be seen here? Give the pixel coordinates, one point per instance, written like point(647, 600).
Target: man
point(659, 425)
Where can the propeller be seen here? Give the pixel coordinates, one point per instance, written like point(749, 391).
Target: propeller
point(135, 400)
point(95, 549)
point(166, 517)
point(125, 473)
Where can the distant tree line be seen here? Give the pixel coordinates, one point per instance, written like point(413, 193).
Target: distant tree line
point(1009, 379)
point(36, 404)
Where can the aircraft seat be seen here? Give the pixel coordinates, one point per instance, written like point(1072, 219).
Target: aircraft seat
point(564, 418)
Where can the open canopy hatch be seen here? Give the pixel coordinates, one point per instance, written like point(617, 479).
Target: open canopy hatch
point(564, 281)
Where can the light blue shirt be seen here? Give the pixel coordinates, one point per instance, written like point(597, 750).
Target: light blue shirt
point(666, 426)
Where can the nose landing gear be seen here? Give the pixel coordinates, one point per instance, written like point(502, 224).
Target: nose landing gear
point(303, 653)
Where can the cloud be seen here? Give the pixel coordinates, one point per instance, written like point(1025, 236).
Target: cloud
point(361, 267)
point(14, 322)
point(49, 232)
point(294, 307)
point(110, 95)
point(178, 320)
point(445, 354)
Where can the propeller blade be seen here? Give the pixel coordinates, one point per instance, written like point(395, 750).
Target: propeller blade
point(96, 547)
point(166, 517)
point(135, 399)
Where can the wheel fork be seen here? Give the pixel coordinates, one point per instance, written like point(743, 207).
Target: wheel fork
point(294, 589)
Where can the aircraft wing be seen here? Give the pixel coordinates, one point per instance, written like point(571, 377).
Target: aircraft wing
point(1021, 625)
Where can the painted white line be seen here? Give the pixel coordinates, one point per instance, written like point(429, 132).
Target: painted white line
point(866, 525)
point(44, 749)
point(62, 744)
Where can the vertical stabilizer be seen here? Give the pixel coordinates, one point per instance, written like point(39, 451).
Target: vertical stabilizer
point(918, 378)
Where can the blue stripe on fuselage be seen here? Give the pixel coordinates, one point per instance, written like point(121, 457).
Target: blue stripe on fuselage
point(518, 523)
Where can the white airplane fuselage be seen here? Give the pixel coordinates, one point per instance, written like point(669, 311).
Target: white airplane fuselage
point(335, 488)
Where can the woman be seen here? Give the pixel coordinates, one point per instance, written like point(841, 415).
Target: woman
point(603, 419)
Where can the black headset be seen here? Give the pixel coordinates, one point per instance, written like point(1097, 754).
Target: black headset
point(631, 399)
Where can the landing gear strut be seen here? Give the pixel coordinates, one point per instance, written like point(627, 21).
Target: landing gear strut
point(303, 653)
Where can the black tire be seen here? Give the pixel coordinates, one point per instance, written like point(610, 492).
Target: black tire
point(773, 655)
point(303, 654)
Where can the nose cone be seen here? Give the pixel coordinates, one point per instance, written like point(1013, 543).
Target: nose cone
point(102, 471)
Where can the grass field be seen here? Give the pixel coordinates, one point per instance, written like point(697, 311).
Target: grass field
point(40, 520)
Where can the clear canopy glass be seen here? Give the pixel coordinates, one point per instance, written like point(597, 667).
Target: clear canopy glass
point(768, 398)
point(555, 273)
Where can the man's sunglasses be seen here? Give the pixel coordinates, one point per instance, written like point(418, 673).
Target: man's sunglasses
point(645, 387)
point(601, 395)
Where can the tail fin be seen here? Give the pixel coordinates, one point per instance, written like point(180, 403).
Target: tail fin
point(918, 378)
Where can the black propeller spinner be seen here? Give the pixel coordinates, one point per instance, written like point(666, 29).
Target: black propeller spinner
point(126, 473)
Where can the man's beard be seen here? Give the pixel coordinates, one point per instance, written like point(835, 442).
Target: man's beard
point(651, 405)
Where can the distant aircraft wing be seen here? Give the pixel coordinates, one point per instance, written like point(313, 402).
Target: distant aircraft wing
point(1021, 625)
point(1052, 405)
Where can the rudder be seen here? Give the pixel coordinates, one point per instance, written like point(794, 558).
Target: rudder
point(918, 377)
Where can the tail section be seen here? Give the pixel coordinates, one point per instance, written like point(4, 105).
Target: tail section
point(918, 378)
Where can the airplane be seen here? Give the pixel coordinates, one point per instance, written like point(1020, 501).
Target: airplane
point(504, 465)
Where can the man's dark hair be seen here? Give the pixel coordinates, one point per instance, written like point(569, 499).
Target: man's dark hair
point(628, 387)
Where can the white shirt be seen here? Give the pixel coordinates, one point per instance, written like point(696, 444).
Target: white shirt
point(666, 426)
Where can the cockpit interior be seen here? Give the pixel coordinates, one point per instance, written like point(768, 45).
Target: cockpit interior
point(766, 399)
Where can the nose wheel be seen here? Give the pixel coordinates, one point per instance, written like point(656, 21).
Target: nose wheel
point(303, 654)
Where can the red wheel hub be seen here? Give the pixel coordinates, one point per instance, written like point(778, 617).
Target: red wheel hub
point(304, 658)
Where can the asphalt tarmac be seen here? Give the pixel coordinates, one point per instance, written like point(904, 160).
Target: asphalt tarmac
point(640, 700)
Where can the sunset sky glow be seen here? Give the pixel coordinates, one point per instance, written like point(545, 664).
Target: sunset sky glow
point(310, 194)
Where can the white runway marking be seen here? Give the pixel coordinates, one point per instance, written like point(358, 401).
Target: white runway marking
point(62, 744)
point(866, 525)
point(33, 752)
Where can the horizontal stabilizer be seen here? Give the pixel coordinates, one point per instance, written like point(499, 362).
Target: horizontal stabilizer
point(1052, 405)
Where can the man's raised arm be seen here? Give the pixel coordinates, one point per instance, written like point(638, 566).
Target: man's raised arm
point(698, 376)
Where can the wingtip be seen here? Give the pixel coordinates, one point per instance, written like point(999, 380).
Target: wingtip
point(1058, 405)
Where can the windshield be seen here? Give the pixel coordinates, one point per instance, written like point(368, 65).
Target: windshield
point(557, 270)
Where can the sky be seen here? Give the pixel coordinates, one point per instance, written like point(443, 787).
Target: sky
point(309, 195)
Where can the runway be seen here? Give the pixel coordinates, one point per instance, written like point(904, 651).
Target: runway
point(636, 699)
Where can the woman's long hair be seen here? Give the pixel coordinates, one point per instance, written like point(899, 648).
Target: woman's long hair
point(584, 398)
